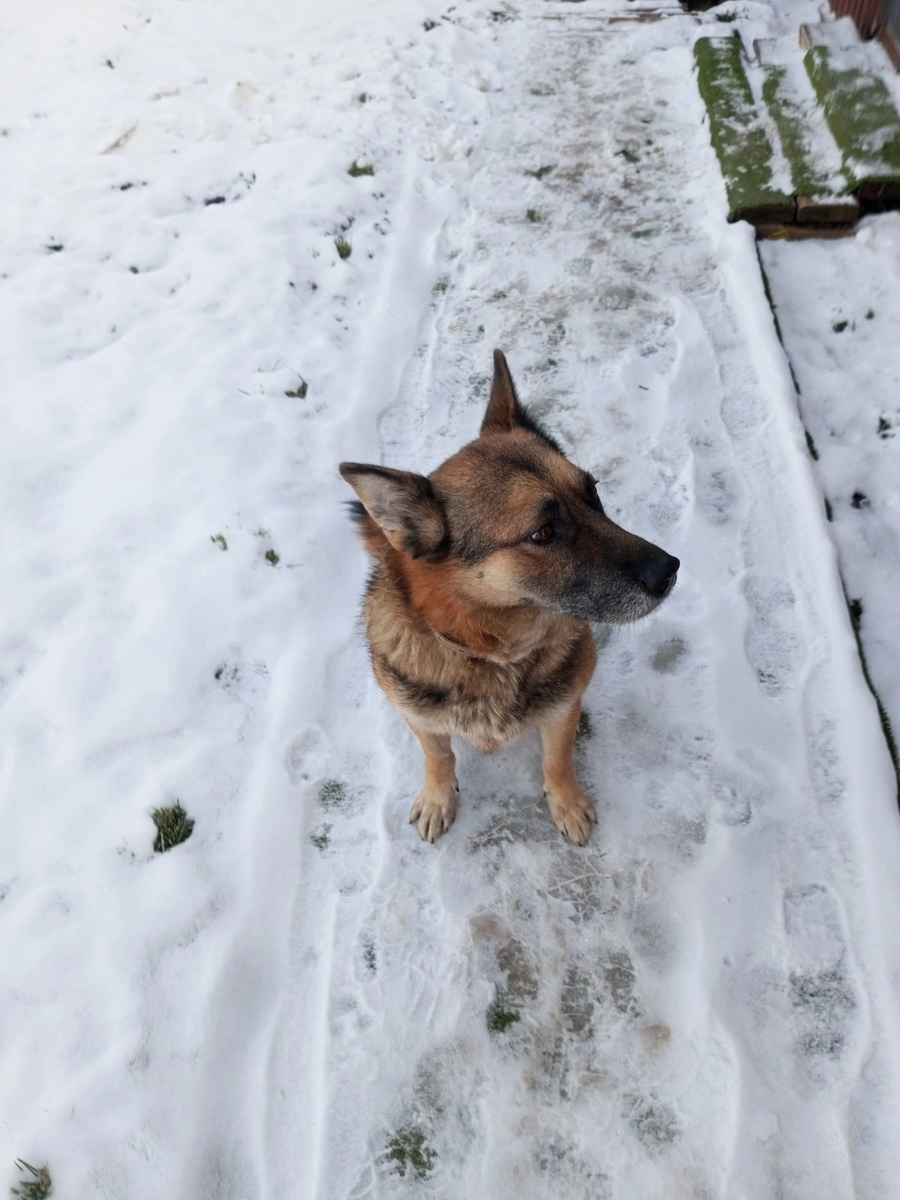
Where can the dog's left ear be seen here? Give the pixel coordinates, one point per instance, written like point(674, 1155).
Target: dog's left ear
point(503, 411)
point(402, 504)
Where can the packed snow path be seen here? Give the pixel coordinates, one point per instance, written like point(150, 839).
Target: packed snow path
point(304, 1000)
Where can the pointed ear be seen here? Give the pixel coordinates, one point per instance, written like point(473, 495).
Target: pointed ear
point(503, 411)
point(403, 505)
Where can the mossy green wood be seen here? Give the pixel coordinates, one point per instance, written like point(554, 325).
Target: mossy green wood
point(861, 116)
point(735, 129)
point(791, 122)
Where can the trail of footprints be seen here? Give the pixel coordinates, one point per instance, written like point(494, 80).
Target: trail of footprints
point(558, 1003)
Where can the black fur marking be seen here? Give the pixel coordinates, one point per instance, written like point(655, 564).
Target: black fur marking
point(357, 510)
point(416, 694)
point(556, 687)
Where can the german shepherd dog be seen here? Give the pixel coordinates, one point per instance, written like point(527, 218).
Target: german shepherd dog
point(488, 572)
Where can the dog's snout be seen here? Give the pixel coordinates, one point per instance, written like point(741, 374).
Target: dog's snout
point(657, 574)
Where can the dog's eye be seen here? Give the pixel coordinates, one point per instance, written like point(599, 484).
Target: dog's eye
point(542, 536)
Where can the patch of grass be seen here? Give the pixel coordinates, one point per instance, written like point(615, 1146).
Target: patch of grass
point(792, 125)
point(644, 233)
point(840, 326)
point(362, 97)
point(370, 957)
point(499, 294)
point(261, 532)
point(332, 794)
point(173, 826)
point(441, 285)
point(861, 116)
point(735, 129)
point(499, 1017)
point(219, 540)
point(585, 728)
point(541, 90)
point(273, 558)
point(870, 314)
point(38, 1187)
point(540, 173)
point(320, 838)
point(357, 168)
point(299, 392)
point(408, 1150)
point(811, 446)
point(885, 428)
point(343, 247)
point(534, 216)
point(829, 511)
point(628, 155)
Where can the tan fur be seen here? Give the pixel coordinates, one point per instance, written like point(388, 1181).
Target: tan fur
point(477, 618)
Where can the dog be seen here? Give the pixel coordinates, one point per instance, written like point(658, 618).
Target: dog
point(488, 574)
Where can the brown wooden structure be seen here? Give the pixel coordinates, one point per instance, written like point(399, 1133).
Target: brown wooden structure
point(874, 18)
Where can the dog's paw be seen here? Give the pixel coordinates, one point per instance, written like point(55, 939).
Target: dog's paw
point(573, 815)
point(433, 814)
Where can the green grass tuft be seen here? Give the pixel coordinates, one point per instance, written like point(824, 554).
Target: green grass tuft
point(499, 1018)
point(840, 326)
point(534, 216)
point(585, 728)
point(343, 247)
point(38, 1187)
point(408, 1150)
point(540, 173)
point(219, 540)
point(173, 826)
point(273, 558)
point(811, 446)
point(357, 168)
point(441, 285)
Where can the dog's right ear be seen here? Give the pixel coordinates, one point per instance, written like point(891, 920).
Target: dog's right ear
point(403, 505)
point(504, 412)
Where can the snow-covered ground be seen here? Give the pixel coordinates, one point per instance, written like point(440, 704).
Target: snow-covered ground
point(838, 307)
point(304, 1000)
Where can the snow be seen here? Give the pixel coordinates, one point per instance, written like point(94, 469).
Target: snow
point(707, 994)
point(836, 305)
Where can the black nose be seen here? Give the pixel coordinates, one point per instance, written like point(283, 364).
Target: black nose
point(657, 574)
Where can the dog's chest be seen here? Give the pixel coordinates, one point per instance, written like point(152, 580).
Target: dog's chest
point(487, 704)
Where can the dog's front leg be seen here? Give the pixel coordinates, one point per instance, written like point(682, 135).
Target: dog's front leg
point(435, 807)
point(571, 811)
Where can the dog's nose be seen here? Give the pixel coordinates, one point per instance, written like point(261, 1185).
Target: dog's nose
point(657, 574)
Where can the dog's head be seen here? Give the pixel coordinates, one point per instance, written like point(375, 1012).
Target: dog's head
point(514, 522)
